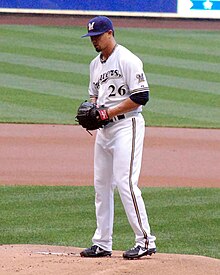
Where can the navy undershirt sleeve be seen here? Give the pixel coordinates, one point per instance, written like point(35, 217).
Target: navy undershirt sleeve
point(140, 98)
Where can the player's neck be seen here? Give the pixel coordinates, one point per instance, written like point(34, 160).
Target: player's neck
point(106, 53)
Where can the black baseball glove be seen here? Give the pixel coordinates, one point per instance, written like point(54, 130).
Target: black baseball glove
point(92, 117)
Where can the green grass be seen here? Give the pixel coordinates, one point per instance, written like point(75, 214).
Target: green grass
point(185, 220)
point(44, 74)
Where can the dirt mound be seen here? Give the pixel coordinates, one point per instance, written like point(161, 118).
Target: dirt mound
point(42, 259)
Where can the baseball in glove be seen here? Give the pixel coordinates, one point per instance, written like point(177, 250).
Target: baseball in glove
point(91, 116)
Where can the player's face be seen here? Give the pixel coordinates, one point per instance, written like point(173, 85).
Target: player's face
point(100, 42)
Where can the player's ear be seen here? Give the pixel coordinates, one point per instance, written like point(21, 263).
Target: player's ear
point(111, 32)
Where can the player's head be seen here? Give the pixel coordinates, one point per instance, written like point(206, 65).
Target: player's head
point(99, 25)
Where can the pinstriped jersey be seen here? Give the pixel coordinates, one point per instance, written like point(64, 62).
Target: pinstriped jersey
point(116, 79)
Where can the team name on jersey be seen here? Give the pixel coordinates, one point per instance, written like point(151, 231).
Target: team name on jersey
point(112, 74)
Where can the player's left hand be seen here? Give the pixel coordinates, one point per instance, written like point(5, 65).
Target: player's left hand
point(92, 116)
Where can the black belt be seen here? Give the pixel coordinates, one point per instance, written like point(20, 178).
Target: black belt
point(116, 118)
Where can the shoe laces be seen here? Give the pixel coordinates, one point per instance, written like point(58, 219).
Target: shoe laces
point(94, 247)
point(135, 247)
point(138, 247)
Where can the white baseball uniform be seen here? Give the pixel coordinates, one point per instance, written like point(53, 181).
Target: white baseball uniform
point(119, 146)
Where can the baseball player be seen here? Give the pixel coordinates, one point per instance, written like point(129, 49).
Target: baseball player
point(118, 82)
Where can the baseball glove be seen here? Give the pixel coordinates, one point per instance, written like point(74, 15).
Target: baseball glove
point(92, 117)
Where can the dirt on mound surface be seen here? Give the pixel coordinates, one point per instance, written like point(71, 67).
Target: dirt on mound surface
point(42, 259)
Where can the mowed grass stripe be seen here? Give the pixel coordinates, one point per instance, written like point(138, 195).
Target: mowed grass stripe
point(63, 69)
point(184, 96)
point(44, 74)
point(167, 32)
point(194, 211)
point(37, 100)
point(81, 69)
point(185, 48)
point(36, 115)
point(54, 87)
point(183, 83)
point(37, 107)
point(151, 58)
point(172, 66)
point(168, 49)
point(167, 52)
point(42, 86)
point(57, 71)
point(86, 49)
point(155, 118)
point(47, 53)
point(45, 63)
point(205, 37)
point(155, 35)
point(185, 110)
point(42, 214)
point(25, 101)
point(76, 31)
point(62, 31)
point(179, 63)
point(18, 34)
point(27, 44)
point(181, 72)
point(70, 52)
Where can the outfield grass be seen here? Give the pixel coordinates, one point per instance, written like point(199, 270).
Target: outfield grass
point(185, 220)
point(44, 74)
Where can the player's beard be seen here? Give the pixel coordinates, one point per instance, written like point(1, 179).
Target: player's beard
point(97, 48)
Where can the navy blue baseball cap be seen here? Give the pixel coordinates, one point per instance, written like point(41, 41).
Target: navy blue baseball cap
point(98, 25)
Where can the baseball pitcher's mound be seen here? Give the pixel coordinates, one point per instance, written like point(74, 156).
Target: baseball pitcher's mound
point(42, 259)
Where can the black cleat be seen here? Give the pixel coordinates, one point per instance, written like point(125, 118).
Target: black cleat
point(95, 251)
point(138, 251)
